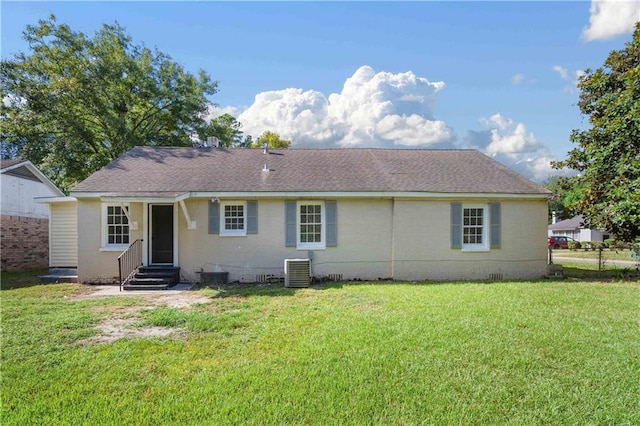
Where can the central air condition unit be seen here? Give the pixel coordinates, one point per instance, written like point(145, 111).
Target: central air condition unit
point(297, 272)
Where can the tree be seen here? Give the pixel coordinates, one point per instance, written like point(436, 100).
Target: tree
point(75, 103)
point(272, 139)
point(565, 195)
point(608, 154)
point(225, 128)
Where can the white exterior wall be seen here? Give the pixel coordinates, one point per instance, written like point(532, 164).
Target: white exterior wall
point(422, 241)
point(377, 238)
point(95, 263)
point(363, 251)
point(592, 235)
point(18, 194)
point(63, 235)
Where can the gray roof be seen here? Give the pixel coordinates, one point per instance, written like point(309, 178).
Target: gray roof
point(8, 163)
point(568, 224)
point(170, 171)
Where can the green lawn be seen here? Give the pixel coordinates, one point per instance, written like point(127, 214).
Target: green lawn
point(548, 352)
point(593, 254)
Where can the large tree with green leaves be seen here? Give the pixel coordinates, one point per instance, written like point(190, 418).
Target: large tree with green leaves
point(73, 103)
point(272, 139)
point(608, 153)
point(226, 128)
point(565, 195)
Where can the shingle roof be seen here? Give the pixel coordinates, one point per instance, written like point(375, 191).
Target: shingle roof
point(172, 171)
point(568, 224)
point(8, 163)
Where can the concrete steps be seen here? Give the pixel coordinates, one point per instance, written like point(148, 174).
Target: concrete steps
point(60, 275)
point(153, 278)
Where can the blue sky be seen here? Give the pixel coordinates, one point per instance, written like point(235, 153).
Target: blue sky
point(496, 76)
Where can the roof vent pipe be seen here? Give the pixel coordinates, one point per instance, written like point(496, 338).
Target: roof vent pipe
point(265, 168)
point(266, 148)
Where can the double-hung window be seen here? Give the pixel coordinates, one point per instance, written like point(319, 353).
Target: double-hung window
point(233, 218)
point(115, 226)
point(475, 227)
point(311, 224)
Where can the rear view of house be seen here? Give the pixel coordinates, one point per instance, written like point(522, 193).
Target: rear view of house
point(354, 213)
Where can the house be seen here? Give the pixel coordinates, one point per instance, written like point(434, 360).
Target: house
point(25, 223)
point(356, 213)
point(575, 229)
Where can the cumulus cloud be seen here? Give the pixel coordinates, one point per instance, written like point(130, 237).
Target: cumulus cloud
point(374, 109)
point(386, 110)
point(611, 18)
point(511, 144)
point(214, 111)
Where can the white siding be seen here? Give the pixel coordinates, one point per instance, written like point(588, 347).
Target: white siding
point(18, 194)
point(63, 235)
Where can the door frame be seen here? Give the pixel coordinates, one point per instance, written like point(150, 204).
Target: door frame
point(147, 219)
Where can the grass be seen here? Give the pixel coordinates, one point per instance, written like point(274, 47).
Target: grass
point(9, 280)
point(593, 254)
point(549, 352)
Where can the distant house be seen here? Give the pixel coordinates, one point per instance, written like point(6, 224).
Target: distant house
point(354, 213)
point(575, 229)
point(25, 223)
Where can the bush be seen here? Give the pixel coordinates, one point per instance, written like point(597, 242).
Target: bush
point(574, 245)
point(614, 244)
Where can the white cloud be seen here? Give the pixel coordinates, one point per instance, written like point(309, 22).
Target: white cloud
point(497, 120)
point(571, 78)
point(215, 111)
point(381, 109)
point(511, 144)
point(611, 18)
point(564, 73)
point(373, 110)
point(517, 79)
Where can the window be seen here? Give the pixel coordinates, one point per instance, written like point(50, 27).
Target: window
point(233, 219)
point(474, 225)
point(311, 228)
point(115, 229)
point(311, 225)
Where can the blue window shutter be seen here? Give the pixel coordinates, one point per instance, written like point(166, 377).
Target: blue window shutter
point(494, 215)
point(290, 223)
point(214, 217)
point(331, 216)
point(252, 217)
point(456, 225)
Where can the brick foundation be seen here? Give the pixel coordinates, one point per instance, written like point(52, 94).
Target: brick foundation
point(24, 243)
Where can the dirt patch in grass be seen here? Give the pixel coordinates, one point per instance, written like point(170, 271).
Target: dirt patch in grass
point(124, 328)
point(123, 322)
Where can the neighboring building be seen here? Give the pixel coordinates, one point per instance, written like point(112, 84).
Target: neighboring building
point(574, 228)
point(357, 213)
point(25, 223)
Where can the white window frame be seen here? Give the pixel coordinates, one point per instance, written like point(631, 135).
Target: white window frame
point(233, 232)
point(323, 223)
point(104, 228)
point(484, 246)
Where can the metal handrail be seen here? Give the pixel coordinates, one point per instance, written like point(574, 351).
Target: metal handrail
point(129, 261)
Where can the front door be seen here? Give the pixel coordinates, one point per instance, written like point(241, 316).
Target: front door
point(161, 234)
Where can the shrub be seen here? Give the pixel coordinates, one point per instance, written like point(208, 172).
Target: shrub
point(574, 245)
point(614, 244)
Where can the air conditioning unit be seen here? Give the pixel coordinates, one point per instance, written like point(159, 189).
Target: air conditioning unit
point(297, 272)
